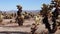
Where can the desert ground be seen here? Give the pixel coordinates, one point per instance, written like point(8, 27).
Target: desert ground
point(12, 28)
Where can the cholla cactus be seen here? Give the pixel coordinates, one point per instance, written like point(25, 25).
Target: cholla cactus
point(0, 17)
point(45, 10)
point(37, 19)
point(33, 28)
point(19, 7)
point(19, 15)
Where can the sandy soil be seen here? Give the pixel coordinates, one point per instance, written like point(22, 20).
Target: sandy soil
point(13, 27)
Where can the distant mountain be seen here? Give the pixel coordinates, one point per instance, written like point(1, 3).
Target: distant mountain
point(29, 11)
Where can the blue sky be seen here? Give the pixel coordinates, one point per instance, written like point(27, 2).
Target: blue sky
point(26, 4)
